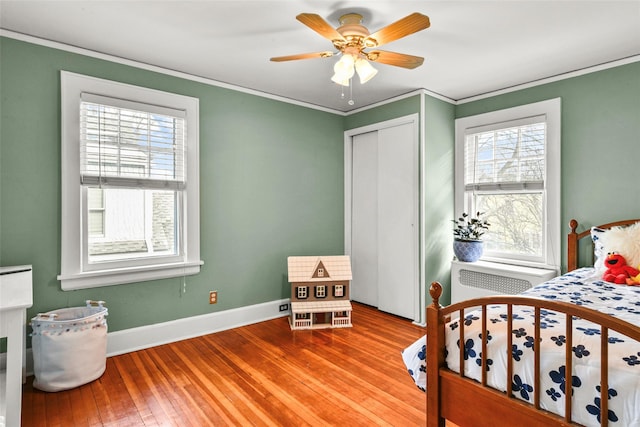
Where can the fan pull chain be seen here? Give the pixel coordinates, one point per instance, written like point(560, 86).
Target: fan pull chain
point(351, 101)
point(183, 285)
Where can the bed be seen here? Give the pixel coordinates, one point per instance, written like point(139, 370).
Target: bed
point(562, 331)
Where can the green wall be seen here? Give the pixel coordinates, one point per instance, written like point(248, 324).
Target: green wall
point(271, 186)
point(600, 142)
point(438, 161)
point(272, 178)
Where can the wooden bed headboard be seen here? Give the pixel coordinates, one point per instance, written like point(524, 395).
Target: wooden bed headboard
point(574, 237)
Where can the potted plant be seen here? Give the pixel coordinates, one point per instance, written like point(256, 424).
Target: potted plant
point(467, 236)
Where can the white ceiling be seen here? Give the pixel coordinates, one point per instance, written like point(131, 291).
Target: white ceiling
point(472, 47)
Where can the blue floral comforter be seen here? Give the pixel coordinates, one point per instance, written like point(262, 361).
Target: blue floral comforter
point(579, 287)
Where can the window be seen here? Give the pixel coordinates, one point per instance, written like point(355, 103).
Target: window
point(508, 167)
point(130, 191)
point(338, 291)
point(302, 292)
point(321, 272)
point(321, 291)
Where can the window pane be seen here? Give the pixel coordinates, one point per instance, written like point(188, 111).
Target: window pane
point(137, 223)
point(95, 201)
point(510, 155)
point(516, 223)
point(96, 223)
point(163, 221)
point(95, 198)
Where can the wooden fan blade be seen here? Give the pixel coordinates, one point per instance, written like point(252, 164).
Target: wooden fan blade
point(408, 25)
point(302, 56)
point(320, 26)
point(397, 59)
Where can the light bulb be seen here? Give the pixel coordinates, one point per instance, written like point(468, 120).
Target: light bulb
point(365, 70)
point(344, 70)
point(339, 79)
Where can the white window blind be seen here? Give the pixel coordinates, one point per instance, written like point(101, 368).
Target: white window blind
point(130, 144)
point(509, 157)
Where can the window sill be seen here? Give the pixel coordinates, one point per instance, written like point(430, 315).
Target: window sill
point(95, 279)
point(496, 267)
point(520, 263)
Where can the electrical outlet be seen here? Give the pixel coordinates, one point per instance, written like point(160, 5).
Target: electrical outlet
point(213, 297)
point(284, 307)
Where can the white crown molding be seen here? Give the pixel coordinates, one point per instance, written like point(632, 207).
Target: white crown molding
point(400, 97)
point(116, 59)
point(154, 68)
point(558, 77)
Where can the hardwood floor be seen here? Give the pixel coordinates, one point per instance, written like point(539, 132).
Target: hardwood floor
point(262, 374)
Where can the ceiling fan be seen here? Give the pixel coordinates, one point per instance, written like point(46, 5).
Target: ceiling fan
point(352, 39)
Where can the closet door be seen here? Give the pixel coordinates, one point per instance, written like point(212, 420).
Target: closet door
point(397, 234)
point(383, 219)
point(364, 226)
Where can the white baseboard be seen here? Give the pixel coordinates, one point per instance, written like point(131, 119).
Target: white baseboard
point(134, 339)
point(142, 337)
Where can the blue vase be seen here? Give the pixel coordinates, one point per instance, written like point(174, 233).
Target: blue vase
point(467, 250)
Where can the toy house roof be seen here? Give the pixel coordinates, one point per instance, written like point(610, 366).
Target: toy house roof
point(320, 306)
point(303, 268)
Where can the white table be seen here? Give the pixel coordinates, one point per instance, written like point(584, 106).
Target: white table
point(16, 295)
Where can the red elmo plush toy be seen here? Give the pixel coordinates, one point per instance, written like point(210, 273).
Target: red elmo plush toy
point(617, 269)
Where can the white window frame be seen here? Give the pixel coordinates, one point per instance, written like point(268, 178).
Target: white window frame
point(551, 110)
point(338, 291)
point(302, 292)
point(321, 291)
point(74, 273)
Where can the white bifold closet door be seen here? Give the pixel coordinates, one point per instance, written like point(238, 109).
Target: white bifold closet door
point(383, 219)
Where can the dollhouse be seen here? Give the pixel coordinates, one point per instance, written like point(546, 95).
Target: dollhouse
point(320, 291)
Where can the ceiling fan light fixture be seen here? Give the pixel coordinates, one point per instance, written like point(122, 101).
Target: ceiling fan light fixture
point(365, 70)
point(351, 39)
point(344, 70)
point(344, 64)
point(340, 80)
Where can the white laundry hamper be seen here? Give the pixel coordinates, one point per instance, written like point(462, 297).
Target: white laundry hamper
point(69, 346)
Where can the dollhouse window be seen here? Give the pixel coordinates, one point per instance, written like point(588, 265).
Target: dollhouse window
point(338, 290)
point(321, 272)
point(321, 291)
point(302, 292)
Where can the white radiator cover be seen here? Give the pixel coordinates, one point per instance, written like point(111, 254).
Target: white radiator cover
point(481, 278)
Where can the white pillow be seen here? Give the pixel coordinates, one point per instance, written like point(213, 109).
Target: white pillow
point(625, 241)
point(599, 253)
